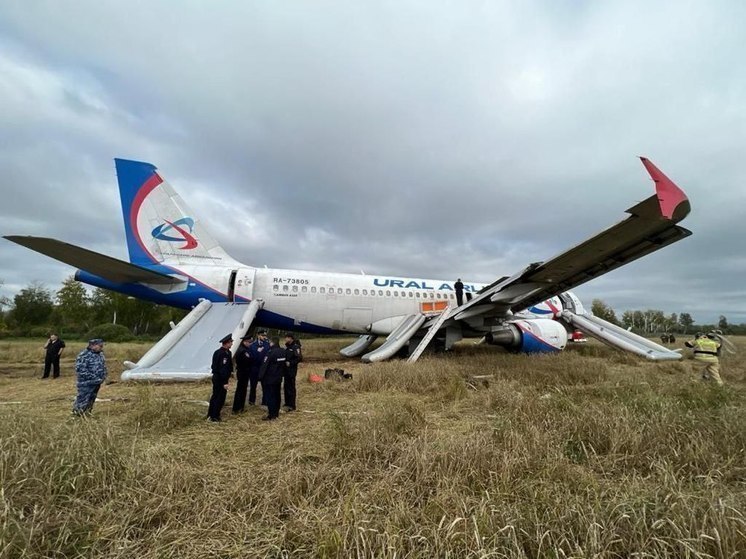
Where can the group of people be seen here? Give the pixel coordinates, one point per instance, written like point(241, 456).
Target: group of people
point(265, 361)
point(257, 361)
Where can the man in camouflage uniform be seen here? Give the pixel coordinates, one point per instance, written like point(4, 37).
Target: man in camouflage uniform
point(707, 351)
point(90, 368)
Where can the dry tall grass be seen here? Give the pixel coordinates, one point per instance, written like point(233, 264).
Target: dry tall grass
point(587, 454)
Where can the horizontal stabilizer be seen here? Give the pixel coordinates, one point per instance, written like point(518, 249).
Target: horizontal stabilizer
point(100, 265)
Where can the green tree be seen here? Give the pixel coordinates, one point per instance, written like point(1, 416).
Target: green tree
point(686, 321)
point(653, 321)
point(73, 305)
point(723, 323)
point(4, 302)
point(32, 306)
point(141, 317)
point(603, 311)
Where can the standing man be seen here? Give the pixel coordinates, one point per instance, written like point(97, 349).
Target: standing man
point(257, 350)
point(706, 351)
point(294, 356)
point(54, 347)
point(273, 368)
point(90, 369)
point(243, 369)
point(459, 287)
point(222, 368)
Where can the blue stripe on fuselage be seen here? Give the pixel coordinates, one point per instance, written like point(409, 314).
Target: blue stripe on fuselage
point(190, 296)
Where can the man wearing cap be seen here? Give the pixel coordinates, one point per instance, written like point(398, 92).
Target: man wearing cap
point(706, 351)
point(295, 356)
point(257, 350)
point(243, 368)
point(90, 369)
point(273, 367)
point(222, 368)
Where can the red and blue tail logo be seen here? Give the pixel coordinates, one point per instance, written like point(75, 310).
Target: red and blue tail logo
point(177, 232)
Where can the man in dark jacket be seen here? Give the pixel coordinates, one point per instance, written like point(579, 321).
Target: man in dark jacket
point(54, 347)
point(222, 369)
point(294, 356)
point(273, 367)
point(243, 369)
point(257, 351)
point(459, 287)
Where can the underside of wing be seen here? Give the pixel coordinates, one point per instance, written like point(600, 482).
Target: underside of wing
point(652, 225)
point(100, 265)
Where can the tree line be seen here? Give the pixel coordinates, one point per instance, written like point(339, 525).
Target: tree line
point(654, 321)
point(74, 312)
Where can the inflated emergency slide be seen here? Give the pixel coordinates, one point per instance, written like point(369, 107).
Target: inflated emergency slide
point(618, 337)
point(407, 328)
point(358, 346)
point(185, 352)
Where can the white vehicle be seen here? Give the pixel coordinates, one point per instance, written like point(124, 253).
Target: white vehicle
point(173, 260)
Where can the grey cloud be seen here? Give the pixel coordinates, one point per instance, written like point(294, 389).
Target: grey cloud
point(404, 138)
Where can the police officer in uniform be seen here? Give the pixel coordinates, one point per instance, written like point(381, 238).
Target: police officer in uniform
point(294, 356)
point(257, 351)
point(243, 369)
point(222, 368)
point(271, 373)
point(91, 371)
point(706, 351)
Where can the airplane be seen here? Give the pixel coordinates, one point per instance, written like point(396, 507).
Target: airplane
point(173, 260)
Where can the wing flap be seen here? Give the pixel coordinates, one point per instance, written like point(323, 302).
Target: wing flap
point(100, 265)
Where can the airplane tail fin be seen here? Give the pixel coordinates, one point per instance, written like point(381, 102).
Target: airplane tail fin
point(160, 227)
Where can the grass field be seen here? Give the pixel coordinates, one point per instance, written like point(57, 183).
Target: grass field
point(591, 453)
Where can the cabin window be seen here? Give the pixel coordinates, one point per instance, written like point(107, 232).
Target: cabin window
point(304, 289)
point(432, 295)
point(388, 293)
point(322, 289)
point(396, 293)
point(313, 289)
point(357, 292)
point(437, 295)
point(365, 291)
point(339, 291)
point(418, 294)
point(411, 294)
point(284, 287)
point(295, 288)
point(380, 292)
point(275, 287)
point(348, 291)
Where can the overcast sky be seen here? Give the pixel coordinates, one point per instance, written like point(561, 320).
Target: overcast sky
point(413, 138)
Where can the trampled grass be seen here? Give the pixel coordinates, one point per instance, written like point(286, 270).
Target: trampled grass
point(476, 453)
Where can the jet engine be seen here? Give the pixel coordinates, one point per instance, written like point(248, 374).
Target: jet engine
point(529, 336)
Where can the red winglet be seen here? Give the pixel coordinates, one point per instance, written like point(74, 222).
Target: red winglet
point(669, 195)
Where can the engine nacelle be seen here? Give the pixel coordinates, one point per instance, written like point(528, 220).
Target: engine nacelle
point(530, 336)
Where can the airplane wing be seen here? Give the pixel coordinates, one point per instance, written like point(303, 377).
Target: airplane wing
point(101, 265)
point(650, 227)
